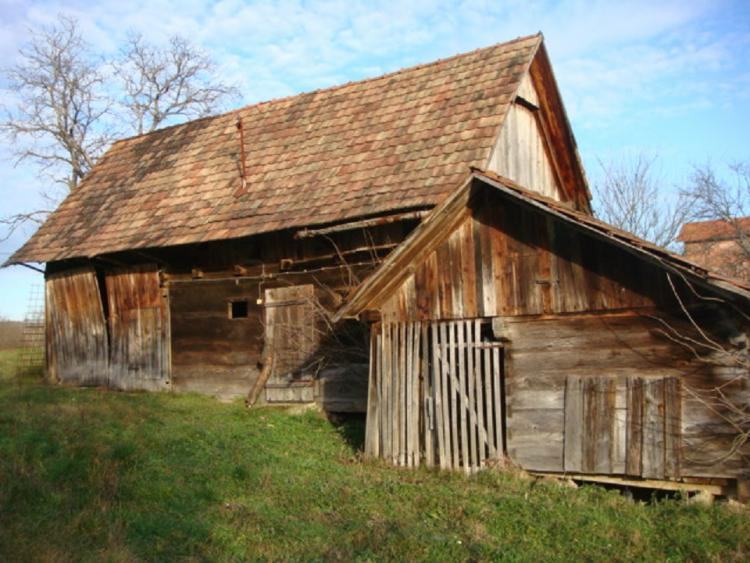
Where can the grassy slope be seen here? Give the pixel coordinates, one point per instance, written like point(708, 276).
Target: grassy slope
point(89, 474)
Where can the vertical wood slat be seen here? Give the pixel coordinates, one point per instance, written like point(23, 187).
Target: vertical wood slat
point(372, 430)
point(490, 410)
point(474, 454)
point(673, 427)
point(573, 437)
point(387, 428)
point(497, 377)
point(401, 382)
point(410, 404)
point(427, 400)
point(455, 446)
point(634, 438)
point(394, 419)
point(461, 352)
point(603, 424)
point(653, 429)
point(407, 377)
point(445, 368)
point(437, 379)
point(416, 445)
point(482, 431)
point(385, 373)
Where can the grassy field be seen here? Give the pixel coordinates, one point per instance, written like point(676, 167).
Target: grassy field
point(87, 474)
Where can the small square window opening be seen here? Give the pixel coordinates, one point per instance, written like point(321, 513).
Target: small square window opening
point(238, 309)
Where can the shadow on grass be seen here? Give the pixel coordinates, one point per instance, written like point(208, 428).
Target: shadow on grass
point(351, 427)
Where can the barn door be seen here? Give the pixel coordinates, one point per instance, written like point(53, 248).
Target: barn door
point(75, 328)
point(435, 395)
point(629, 426)
point(292, 338)
point(139, 337)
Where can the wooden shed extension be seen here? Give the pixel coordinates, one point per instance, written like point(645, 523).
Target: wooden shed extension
point(510, 326)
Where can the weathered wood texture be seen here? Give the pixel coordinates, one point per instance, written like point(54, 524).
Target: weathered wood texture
point(612, 427)
point(522, 151)
point(292, 336)
point(138, 320)
point(77, 347)
point(214, 354)
point(435, 396)
point(612, 394)
point(505, 259)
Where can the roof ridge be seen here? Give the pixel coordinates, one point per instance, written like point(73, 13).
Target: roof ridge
point(402, 70)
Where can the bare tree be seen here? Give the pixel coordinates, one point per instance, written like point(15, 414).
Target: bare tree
point(57, 122)
point(162, 83)
point(724, 395)
point(728, 200)
point(67, 106)
point(630, 197)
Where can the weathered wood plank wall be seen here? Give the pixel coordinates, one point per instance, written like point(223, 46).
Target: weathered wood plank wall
point(521, 152)
point(508, 260)
point(568, 305)
point(77, 347)
point(169, 325)
point(631, 352)
point(214, 354)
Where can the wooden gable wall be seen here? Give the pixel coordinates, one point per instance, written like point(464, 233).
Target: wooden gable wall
point(521, 152)
point(505, 259)
point(535, 146)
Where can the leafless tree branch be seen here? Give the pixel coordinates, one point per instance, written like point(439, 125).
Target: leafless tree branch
point(57, 121)
point(630, 197)
point(730, 408)
point(65, 102)
point(163, 83)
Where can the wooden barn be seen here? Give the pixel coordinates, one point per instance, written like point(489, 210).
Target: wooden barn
point(418, 246)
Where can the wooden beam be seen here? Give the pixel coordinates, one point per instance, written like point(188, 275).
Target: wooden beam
point(712, 489)
point(362, 224)
point(260, 383)
point(30, 267)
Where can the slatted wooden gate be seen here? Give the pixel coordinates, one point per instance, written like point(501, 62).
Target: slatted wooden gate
point(435, 395)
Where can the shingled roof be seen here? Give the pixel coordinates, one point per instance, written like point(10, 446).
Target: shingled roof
point(402, 140)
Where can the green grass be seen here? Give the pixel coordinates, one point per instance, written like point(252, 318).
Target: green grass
point(87, 474)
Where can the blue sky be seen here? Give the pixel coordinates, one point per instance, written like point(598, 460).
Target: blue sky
point(668, 77)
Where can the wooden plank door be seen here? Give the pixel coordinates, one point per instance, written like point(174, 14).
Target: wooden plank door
point(630, 426)
point(292, 340)
point(76, 333)
point(138, 328)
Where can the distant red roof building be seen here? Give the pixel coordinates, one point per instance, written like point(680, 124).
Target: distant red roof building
point(715, 245)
